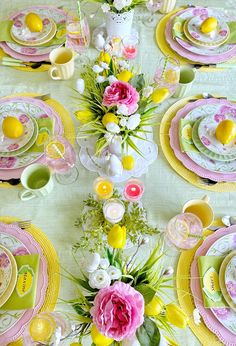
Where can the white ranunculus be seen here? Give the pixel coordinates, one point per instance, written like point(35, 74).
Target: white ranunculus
point(105, 8)
point(108, 136)
point(91, 262)
point(133, 121)
point(123, 122)
point(113, 127)
point(97, 69)
point(80, 85)
point(196, 317)
point(99, 279)
point(114, 273)
point(100, 79)
point(119, 4)
point(104, 65)
point(104, 263)
point(123, 109)
point(147, 91)
point(112, 79)
point(128, 2)
point(123, 64)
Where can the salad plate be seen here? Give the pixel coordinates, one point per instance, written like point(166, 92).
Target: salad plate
point(8, 274)
point(227, 279)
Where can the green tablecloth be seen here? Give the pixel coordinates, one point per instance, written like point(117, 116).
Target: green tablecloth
point(165, 191)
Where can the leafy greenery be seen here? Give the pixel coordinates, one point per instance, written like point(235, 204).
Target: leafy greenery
point(95, 227)
point(148, 334)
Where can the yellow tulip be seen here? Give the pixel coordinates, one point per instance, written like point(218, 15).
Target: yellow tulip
point(104, 57)
point(109, 118)
point(75, 344)
point(84, 116)
point(154, 307)
point(124, 76)
point(160, 95)
point(117, 237)
point(98, 338)
point(176, 316)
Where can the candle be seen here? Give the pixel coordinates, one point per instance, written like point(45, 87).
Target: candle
point(113, 210)
point(134, 190)
point(130, 52)
point(103, 188)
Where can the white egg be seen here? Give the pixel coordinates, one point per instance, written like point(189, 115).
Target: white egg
point(99, 42)
point(115, 145)
point(114, 166)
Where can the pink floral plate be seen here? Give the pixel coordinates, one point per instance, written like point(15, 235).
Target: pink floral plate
point(230, 278)
point(58, 16)
point(31, 51)
point(189, 161)
point(207, 130)
point(194, 55)
point(214, 318)
point(20, 242)
point(11, 167)
point(8, 144)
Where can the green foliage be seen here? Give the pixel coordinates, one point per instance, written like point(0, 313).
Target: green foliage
point(96, 227)
point(138, 82)
point(148, 334)
point(147, 292)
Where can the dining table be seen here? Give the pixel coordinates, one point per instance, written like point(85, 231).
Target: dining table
point(165, 191)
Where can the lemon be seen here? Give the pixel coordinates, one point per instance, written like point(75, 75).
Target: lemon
point(226, 131)
point(187, 133)
point(12, 127)
point(34, 22)
point(183, 229)
point(208, 25)
point(160, 95)
point(124, 76)
point(171, 76)
point(109, 118)
point(128, 162)
point(55, 149)
point(154, 307)
point(98, 338)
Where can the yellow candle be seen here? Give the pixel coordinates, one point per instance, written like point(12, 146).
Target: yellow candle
point(42, 328)
point(103, 188)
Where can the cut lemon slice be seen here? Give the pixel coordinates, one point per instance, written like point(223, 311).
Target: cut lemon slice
point(182, 229)
point(55, 150)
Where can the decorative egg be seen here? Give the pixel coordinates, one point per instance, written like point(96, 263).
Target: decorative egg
point(115, 145)
point(114, 166)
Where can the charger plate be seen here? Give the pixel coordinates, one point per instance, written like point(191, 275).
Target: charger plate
point(185, 173)
point(53, 267)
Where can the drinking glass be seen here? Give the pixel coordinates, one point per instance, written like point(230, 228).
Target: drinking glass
point(61, 157)
point(184, 231)
point(153, 6)
point(130, 46)
point(167, 74)
point(77, 33)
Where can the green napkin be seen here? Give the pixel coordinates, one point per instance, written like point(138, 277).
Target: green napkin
point(177, 28)
point(5, 27)
point(209, 267)
point(24, 294)
point(185, 136)
point(232, 36)
point(46, 129)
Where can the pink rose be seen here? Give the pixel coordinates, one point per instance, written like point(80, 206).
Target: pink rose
point(118, 311)
point(121, 93)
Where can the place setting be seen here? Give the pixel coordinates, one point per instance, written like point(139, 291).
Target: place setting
point(198, 35)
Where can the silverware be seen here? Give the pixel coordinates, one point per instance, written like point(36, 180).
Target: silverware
point(209, 96)
point(44, 97)
point(207, 181)
point(228, 220)
point(214, 228)
point(24, 224)
point(12, 62)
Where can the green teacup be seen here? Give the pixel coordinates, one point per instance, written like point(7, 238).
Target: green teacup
point(186, 79)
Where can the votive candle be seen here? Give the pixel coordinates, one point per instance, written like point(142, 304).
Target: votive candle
point(103, 188)
point(113, 210)
point(130, 52)
point(134, 190)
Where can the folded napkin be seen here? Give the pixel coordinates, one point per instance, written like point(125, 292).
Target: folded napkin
point(24, 294)
point(46, 129)
point(232, 36)
point(5, 36)
point(185, 136)
point(177, 28)
point(209, 267)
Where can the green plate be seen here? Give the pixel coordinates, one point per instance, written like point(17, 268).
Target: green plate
point(27, 146)
point(197, 142)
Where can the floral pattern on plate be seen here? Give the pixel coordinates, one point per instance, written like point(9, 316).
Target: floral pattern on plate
point(8, 144)
point(33, 51)
point(216, 37)
point(222, 247)
point(203, 50)
point(5, 271)
point(207, 129)
point(230, 278)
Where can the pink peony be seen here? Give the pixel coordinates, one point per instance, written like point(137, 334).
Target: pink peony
point(121, 93)
point(118, 311)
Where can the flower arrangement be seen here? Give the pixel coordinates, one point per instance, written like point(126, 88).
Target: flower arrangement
point(117, 110)
point(121, 302)
point(119, 6)
point(96, 227)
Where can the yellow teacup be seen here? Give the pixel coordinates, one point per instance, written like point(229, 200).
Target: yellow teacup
point(202, 209)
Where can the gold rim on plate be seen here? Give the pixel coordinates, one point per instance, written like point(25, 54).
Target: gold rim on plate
point(10, 288)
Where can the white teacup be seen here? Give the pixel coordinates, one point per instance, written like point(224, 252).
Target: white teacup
point(37, 181)
point(202, 209)
point(186, 79)
point(62, 60)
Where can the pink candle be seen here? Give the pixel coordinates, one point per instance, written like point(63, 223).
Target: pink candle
point(134, 190)
point(130, 52)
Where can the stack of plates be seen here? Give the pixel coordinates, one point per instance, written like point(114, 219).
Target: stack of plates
point(221, 321)
point(192, 43)
point(28, 45)
point(207, 157)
